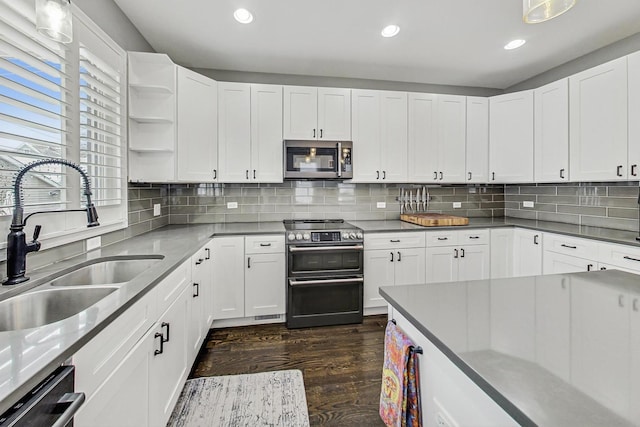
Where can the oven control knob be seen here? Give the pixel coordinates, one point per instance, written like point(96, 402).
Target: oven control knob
point(291, 236)
point(345, 236)
point(352, 235)
point(306, 236)
point(298, 236)
point(359, 235)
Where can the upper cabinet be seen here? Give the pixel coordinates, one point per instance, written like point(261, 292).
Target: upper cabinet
point(598, 123)
point(634, 115)
point(379, 136)
point(511, 138)
point(477, 152)
point(317, 113)
point(551, 122)
point(249, 132)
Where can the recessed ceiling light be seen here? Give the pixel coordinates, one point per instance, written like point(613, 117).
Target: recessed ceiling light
point(243, 16)
point(514, 44)
point(390, 30)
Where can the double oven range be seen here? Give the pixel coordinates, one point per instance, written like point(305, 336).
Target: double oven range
point(324, 273)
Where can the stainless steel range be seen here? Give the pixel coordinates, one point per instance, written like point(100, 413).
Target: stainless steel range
point(324, 273)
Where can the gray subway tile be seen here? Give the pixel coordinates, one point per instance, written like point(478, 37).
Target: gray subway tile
point(565, 200)
point(582, 210)
point(559, 217)
point(514, 213)
point(623, 213)
point(549, 190)
point(616, 223)
point(623, 192)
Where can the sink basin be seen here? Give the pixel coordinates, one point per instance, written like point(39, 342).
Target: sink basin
point(107, 272)
point(40, 308)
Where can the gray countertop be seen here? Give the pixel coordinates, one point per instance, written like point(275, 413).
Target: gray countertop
point(530, 342)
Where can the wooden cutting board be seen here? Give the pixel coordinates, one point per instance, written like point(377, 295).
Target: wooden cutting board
point(434, 219)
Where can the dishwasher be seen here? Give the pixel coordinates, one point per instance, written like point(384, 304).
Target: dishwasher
point(51, 403)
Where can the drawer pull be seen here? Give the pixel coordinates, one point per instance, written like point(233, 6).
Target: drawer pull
point(443, 238)
point(265, 244)
point(395, 241)
point(474, 237)
point(631, 259)
point(569, 246)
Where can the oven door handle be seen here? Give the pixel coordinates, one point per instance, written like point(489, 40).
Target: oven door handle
point(325, 248)
point(323, 281)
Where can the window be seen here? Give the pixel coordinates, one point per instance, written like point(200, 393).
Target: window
point(61, 101)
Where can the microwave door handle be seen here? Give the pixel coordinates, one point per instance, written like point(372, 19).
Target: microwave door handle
point(339, 159)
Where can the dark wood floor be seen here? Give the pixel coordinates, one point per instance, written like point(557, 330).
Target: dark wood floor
point(341, 365)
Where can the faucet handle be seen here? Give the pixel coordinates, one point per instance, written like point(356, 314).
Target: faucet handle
point(36, 232)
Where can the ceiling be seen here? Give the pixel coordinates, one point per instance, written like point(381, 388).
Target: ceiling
point(450, 42)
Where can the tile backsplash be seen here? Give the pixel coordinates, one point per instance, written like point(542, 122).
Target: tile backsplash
point(206, 203)
point(610, 204)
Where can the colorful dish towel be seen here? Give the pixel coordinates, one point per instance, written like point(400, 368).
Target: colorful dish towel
point(400, 394)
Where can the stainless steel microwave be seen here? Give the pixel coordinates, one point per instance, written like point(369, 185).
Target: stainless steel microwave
point(318, 159)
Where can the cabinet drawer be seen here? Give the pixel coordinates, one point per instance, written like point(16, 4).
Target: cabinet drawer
point(171, 286)
point(626, 257)
point(582, 248)
point(411, 239)
point(264, 244)
point(473, 237)
point(442, 238)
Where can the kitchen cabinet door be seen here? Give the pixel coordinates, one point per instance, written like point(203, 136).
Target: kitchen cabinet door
point(168, 365)
point(511, 137)
point(228, 277)
point(197, 126)
point(551, 121)
point(527, 253)
point(379, 270)
point(300, 112)
point(477, 154)
point(334, 114)
point(501, 252)
point(554, 263)
point(266, 133)
point(452, 119)
point(393, 134)
point(600, 344)
point(474, 262)
point(234, 131)
point(442, 264)
point(366, 114)
point(265, 284)
point(410, 266)
point(635, 356)
point(598, 123)
point(197, 304)
point(633, 62)
point(422, 160)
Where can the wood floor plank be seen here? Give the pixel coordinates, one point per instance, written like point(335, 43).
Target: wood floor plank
point(341, 365)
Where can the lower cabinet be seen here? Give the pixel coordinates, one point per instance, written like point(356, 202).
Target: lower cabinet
point(555, 263)
point(201, 308)
point(228, 277)
point(264, 285)
point(453, 263)
point(527, 252)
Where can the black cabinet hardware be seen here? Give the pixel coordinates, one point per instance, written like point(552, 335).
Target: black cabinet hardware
point(569, 246)
point(562, 173)
point(391, 256)
point(395, 241)
point(474, 237)
point(535, 239)
point(493, 176)
point(384, 174)
point(633, 170)
point(265, 244)
point(314, 133)
point(456, 253)
point(589, 267)
point(215, 174)
point(197, 291)
point(631, 259)
point(247, 173)
point(399, 256)
point(248, 262)
point(208, 253)
point(443, 238)
point(435, 175)
point(254, 174)
point(320, 133)
point(469, 176)
point(377, 174)
point(619, 170)
point(157, 352)
point(462, 253)
point(165, 325)
point(441, 176)
point(199, 261)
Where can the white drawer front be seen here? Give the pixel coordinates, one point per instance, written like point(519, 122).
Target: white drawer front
point(442, 238)
point(409, 239)
point(266, 244)
point(574, 246)
point(473, 237)
point(626, 257)
point(171, 286)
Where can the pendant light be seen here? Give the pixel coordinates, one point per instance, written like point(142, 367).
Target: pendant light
point(53, 19)
point(535, 11)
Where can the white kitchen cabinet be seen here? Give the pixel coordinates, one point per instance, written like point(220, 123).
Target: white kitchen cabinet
point(551, 122)
point(197, 127)
point(266, 133)
point(501, 252)
point(554, 263)
point(634, 408)
point(598, 123)
point(264, 277)
point(317, 113)
point(379, 270)
point(200, 310)
point(457, 255)
point(442, 265)
point(477, 154)
point(437, 138)
point(511, 137)
point(527, 252)
point(474, 262)
point(633, 74)
point(379, 136)
point(228, 277)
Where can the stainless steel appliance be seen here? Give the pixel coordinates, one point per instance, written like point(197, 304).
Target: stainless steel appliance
point(324, 273)
point(318, 159)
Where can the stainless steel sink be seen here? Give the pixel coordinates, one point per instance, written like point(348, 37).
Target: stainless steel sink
point(107, 272)
point(43, 307)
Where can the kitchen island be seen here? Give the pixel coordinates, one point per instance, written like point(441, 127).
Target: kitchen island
point(555, 350)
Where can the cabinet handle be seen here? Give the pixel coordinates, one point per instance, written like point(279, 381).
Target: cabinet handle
point(535, 239)
point(162, 326)
point(377, 174)
point(391, 256)
point(265, 244)
point(569, 246)
point(474, 237)
point(198, 262)
point(314, 133)
point(248, 262)
point(635, 304)
point(562, 173)
point(395, 241)
point(443, 238)
point(159, 335)
point(462, 252)
point(435, 176)
point(456, 253)
point(619, 170)
point(631, 259)
point(633, 170)
point(215, 174)
point(254, 174)
point(320, 133)
point(399, 256)
point(469, 176)
point(620, 300)
point(197, 286)
point(208, 253)
point(603, 268)
point(589, 267)
point(440, 176)
point(384, 174)
point(247, 173)
point(493, 176)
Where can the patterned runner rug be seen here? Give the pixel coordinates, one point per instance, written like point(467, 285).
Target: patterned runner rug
point(265, 399)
